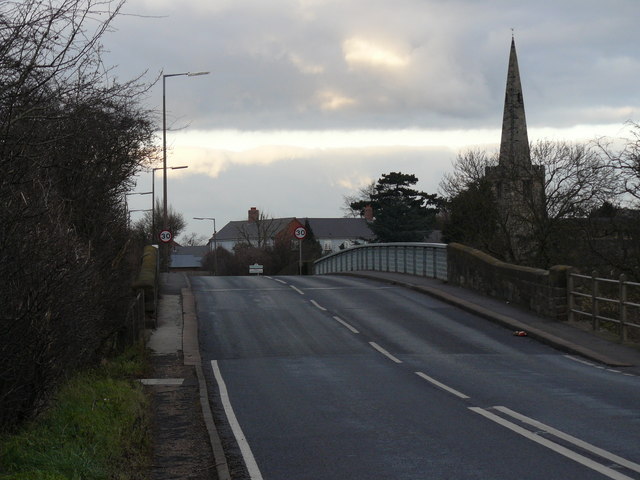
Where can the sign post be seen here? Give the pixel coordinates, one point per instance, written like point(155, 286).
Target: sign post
point(300, 233)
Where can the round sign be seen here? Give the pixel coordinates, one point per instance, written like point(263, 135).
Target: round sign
point(165, 236)
point(300, 233)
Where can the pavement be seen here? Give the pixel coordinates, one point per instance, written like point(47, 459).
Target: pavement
point(183, 423)
point(573, 339)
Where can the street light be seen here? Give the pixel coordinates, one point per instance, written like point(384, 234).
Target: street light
point(126, 204)
point(137, 210)
point(153, 196)
point(215, 245)
point(164, 140)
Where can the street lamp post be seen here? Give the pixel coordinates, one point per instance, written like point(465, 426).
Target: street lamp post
point(215, 245)
point(164, 144)
point(137, 210)
point(126, 203)
point(153, 197)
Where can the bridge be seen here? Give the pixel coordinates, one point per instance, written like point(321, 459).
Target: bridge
point(560, 293)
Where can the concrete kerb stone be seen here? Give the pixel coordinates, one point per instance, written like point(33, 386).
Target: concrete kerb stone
point(191, 352)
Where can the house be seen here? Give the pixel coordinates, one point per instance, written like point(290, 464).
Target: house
point(332, 233)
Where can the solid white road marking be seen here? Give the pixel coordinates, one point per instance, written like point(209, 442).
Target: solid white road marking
point(384, 352)
point(568, 438)
point(576, 457)
point(441, 385)
point(315, 304)
point(297, 290)
point(245, 449)
point(338, 319)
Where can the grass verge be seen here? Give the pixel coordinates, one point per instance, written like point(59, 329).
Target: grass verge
point(97, 427)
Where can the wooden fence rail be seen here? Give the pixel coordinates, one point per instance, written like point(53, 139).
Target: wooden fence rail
point(605, 300)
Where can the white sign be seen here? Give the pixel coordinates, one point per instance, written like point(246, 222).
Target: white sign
point(255, 268)
point(165, 236)
point(300, 233)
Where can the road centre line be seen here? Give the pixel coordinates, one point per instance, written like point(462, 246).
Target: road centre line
point(297, 290)
point(245, 449)
point(441, 385)
point(568, 438)
point(315, 304)
point(384, 352)
point(338, 319)
point(576, 457)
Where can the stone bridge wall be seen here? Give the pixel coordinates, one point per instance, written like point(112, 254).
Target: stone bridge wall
point(541, 291)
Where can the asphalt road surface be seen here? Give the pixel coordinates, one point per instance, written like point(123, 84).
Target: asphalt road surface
point(331, 377)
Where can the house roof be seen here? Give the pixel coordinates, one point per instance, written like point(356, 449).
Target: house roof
point(351, 228)
point(240, 230)
point(323, 228)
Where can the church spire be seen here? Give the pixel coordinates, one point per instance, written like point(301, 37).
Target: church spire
point(514, 145)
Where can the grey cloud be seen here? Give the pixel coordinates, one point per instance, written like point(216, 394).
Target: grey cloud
point(271, 61)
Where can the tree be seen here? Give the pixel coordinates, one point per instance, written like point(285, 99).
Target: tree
point(402, 214)
point(624, 160)
point(468, 169)
point(192, 240)
point(577, 180)
point(471, 217)
point(363, 195)
point(261, 232)
point(143, 227)
point(71, 139)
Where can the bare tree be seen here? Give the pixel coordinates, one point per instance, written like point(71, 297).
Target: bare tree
point(577, 180)
point(468, 168)
point(261, 232)
point(624, 160)
point(364, 194)
point(70, 141)
point(192, 240)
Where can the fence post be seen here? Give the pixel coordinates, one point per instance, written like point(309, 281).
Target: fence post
point(595, 323)
point(623, 308)
point(435, 262)
point(570, 299)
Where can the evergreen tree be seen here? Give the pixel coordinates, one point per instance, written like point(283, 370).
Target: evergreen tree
point(402, 214)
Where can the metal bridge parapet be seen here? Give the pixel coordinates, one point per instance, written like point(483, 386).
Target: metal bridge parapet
point(422, 259)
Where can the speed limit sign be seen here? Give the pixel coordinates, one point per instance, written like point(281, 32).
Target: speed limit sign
point(165, 236)
point(300, 233)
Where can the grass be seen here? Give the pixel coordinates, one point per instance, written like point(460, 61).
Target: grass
point(97, 427)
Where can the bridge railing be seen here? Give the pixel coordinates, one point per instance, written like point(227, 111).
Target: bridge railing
point(423, 259)
point(605, 301)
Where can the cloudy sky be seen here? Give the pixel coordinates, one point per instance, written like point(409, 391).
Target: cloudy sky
point(308, 100)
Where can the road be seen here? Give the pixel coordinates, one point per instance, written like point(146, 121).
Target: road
point(333, 377)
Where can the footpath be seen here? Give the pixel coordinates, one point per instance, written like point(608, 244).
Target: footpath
point(185, 444)
point(560, 335)
point(185, 441)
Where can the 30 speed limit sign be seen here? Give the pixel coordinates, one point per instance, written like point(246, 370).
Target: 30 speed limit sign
point(300, 233)
point(165, 236)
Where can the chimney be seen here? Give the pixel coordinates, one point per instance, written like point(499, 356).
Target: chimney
point(368, 213)
point(254, 215)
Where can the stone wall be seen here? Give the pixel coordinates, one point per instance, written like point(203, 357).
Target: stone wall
point(541, 291)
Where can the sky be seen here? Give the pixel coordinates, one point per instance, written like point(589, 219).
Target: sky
point(309, 100)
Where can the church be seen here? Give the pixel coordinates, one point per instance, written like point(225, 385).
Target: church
point(517, 184)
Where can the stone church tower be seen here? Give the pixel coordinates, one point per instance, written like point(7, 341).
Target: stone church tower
point(517, 185)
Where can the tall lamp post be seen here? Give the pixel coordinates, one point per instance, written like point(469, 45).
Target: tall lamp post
point(137, 210)
point(153, 197)
point(126, 203)
point(165, 223)
point(215, 245)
